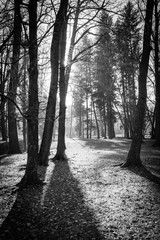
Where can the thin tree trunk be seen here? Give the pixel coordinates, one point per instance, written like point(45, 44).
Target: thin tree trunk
point(70, 134)
point(104, 120)
point(24, 99)
point(80, 121)
point(12, 123)
point(126, 129)
point(2, 106)
point(51, 104)
point(87, 117)
point(133, 158)
point(91, 121)
point(157, 76)
point(95, 116)
point(110, 120)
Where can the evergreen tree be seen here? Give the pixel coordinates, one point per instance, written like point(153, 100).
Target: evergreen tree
point(105, 76)
point(127, 42)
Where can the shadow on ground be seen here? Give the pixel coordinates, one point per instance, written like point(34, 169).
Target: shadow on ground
point(107, 144)
point(114, 152)
point(55, 211)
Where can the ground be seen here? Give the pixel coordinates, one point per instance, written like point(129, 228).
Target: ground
point(86, 197)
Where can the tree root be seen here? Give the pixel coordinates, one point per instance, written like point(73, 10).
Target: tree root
point(60, 157)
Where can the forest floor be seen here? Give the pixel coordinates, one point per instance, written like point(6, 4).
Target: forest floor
point(86, 197)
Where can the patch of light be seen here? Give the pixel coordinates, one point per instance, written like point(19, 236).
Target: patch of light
point(69, 99)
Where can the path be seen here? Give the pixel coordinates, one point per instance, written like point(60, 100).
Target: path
point(88, 198)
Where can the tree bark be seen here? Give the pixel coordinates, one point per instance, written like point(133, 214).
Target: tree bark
point(133, 158)
point(51, 104)
point(157, 76)
point(60, 155)
point(31, 176)
point(12, 124)
point(95, 116)
point(24, 100)
point(110, 120)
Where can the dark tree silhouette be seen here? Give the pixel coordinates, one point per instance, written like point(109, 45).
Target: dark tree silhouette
point(157, 74)
point(31, 176)
point(133, 158)
point(12, 123)
point(51, 105)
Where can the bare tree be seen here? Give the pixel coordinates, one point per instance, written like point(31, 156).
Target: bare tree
point(31, 176)
point(12, 123)
point(51, 104)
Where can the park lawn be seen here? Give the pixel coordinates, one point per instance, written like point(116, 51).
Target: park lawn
point(87, 197)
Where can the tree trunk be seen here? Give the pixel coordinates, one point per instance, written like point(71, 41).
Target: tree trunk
point(87, 117)
point(157, 76)
point(71, 116)
point(110, 120)
point(51, 105)
point(133, 158)
point(31, 176)
point(24, 105)
point(126, 128)
point(2, 105)
point(80, 121)
point(12, 124)
point(60, 155)
point(91, 121)
point(3, 118)
point(104, 121)
point(95, 116)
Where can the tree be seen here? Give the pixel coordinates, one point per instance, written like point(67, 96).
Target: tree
point(133, 158)
point(157, 74)
point(127, 36)
point(89, 18)
point(31, 176)
point(106, 86)
point(51, 104)
point(4, 76)
point(12, 124)
point(60, 154)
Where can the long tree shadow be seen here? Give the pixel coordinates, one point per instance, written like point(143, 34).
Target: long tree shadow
point(116, 152)
point(54, 211)
point(106, 144)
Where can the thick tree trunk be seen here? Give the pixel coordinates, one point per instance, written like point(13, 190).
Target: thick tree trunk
point(51, 105)
point(31, 176)
point(60, 155)
point(133, 158)
point(12, 123)
point(157, 76)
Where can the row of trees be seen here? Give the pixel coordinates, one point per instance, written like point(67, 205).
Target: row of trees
point(108, 56)
point(112, 79)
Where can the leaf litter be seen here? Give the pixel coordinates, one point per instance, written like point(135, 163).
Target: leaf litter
point(86, 197)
